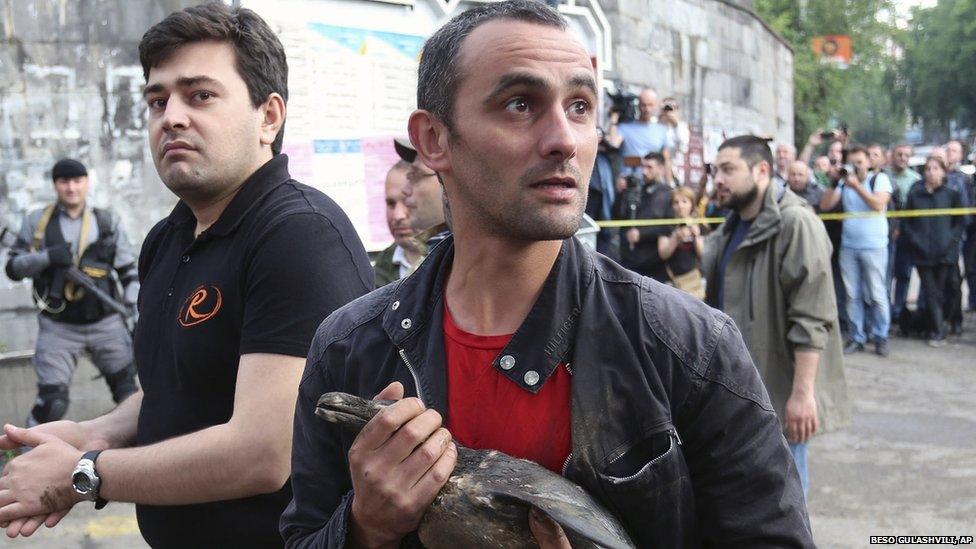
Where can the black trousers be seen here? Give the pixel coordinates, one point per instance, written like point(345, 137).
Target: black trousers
point(934, 279)
point(953, 295)
point(969, 261)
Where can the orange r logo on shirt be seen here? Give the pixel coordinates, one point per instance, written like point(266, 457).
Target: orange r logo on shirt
point(200, 306)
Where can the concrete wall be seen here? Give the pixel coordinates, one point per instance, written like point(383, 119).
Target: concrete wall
point(70, 84)
point(728, 69)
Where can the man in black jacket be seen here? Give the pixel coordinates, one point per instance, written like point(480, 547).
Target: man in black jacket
point(638, 245)
point(670, 426)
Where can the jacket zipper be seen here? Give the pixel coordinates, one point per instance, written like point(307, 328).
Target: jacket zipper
point(752, 266)
point(413, 373)
point(566, 464)
point(673, 437)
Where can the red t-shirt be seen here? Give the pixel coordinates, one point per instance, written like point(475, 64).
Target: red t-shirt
point(486, 410)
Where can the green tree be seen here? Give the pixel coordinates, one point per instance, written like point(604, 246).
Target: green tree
point(862, 95)
point(939, 65)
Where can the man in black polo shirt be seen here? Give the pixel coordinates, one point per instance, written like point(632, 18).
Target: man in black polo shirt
point(234, 283)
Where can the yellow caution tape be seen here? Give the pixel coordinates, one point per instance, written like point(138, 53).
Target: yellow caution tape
point(825, 216)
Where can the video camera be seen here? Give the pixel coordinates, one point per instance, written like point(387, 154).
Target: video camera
point(625, 103)
point(635, 186)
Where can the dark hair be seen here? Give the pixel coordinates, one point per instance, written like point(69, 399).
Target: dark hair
point(261, 61)
point(753, 149)
point(655, 156)
point(857, 148)
point(439, 74)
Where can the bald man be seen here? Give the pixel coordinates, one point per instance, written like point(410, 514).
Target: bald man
point(645, 135)
point(405, 253)
point(798, 177)
point(785, 156)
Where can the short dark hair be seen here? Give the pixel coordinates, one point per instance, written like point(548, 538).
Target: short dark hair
point(655, 156)
point(753, 149)
point(439, 74)
point(261, 60)
point(856, 148)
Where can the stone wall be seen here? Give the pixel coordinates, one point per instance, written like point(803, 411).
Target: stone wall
point(728, 69)
point(70, 85)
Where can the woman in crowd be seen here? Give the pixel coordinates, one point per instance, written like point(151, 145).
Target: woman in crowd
point(682, 249)
point(934, 241)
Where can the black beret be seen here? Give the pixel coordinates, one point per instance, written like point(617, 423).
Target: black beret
point(67, 168)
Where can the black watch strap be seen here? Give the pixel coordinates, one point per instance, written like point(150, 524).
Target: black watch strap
point(92, 456)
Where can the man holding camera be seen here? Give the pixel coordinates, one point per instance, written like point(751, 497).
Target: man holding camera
point(646, 134)
point(649, 198)
point(864, 247)
point(69, 233)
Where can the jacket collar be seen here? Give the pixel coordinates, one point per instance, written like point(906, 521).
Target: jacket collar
point(544, 339)
point(264, 180)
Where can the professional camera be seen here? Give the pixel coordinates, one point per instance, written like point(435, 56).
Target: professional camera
point(840, 132)
point(844, 169)
point(635, 186)
point(625, 103)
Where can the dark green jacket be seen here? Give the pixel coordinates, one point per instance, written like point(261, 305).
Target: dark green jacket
point(779, 289)
point(385, 271)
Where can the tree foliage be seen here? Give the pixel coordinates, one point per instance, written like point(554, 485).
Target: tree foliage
point(939, 65)
point(863, 95)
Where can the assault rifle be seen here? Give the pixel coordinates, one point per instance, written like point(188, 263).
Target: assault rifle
point(9, 239)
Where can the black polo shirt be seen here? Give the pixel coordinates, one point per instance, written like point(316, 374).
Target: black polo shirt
point(281, 257)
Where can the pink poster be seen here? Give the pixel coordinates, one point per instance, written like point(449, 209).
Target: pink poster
point(299, 160)
point(378, 157)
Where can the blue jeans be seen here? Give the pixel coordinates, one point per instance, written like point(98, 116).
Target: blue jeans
point(866, 269)
point(799, 451)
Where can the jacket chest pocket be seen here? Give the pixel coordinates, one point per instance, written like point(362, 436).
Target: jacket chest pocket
point(648, 487)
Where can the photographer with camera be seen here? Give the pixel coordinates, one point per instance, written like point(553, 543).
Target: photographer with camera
point(601, 193)
point(645, 134)
point(864, 246)
point(647, 196)
point(680, 135)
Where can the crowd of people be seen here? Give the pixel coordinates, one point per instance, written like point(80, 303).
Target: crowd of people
point(873, 256)
point(491, 326)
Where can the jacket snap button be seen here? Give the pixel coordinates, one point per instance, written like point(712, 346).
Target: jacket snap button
point(531, 377)
point(507, 362)
point(405, 324)
point(396, 305)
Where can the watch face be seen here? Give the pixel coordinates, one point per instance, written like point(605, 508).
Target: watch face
point(82, 483)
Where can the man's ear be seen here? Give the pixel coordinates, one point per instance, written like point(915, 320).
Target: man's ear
point(429, 136)
point(273, 113)
point(763, 169)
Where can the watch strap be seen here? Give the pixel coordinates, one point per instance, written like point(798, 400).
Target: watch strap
point(92, 455)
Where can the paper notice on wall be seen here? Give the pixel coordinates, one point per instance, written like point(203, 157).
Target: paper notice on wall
point(350, 92)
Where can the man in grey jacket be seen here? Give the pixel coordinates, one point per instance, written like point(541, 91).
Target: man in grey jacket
point(68, 233)
point(768, 267)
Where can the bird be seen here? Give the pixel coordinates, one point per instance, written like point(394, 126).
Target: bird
point(487, 499)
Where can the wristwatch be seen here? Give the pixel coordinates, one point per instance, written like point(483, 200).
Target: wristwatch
point(85, 479)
